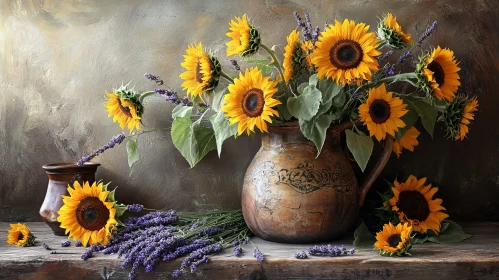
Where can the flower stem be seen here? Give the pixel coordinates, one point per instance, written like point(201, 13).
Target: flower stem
point(275, 61)
point(222, 73)
point(399, 77)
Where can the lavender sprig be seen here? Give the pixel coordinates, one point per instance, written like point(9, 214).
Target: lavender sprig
point(153, 78)
point(66, 243)
point(45, 246)
point(385, 56)
point(389, 69)
point(238, 251)
point(427, 33)
point(258, 255)
point(306, 32)
point(405, 56)
point(308, 36)
point(235, 64)
point(87, 254)
point(134, 208)
point(329, 250)
point(78, 243)
point(117, 139)
point(301, 255)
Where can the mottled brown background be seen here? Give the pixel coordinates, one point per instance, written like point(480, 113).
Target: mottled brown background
point(58, 57)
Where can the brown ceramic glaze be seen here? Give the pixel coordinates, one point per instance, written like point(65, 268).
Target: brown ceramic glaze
point(60, 176)
point(291, 196)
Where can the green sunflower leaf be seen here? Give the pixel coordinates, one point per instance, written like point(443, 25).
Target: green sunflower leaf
point(451, 234)
point(132, 149)
point(302, 87)
point(426, 111)
point(120, 209)
point(222, 129)
point(315, 129)
point(312, 81)
point(361, 147)
point(192, 139)
point(306, 105)
point(329, 89)
point(218, 100)
point(363, 237)
point(410, 119)
point(110, 196)
point(182, 111)
point(263, 65)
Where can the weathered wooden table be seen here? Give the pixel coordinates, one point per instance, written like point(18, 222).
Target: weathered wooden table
point(475, 258)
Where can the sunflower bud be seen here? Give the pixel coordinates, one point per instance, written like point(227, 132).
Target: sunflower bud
point(245, 38)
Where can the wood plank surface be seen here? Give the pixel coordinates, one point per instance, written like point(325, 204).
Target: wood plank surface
point(475, 258)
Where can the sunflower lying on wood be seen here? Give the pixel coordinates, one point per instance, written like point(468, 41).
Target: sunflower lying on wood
point(328, 76)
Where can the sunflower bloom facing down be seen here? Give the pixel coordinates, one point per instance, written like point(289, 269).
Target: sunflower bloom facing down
point(382, 112)
point(125, 108)
point(86, 215)
point(20, 235)
point(202, 71)
point(413, 202)
point(408, 141)
point(296, 58)
point(249, 101)
point(458, 115)
point(346, 53)
point(394, 240)
point(438, 74)
point(391, 33)
point(245, 38)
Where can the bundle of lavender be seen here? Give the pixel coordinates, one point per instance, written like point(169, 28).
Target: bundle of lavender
point(166, 236)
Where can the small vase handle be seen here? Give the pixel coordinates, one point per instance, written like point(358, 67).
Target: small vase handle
point(378, 167)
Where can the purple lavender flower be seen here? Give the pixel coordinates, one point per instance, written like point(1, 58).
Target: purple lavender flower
point(235, 242)
point(301, 255)
point(326, 25)
point(153, 78)
point(186, 101)
point(315, 34)
point(258, 255)
point(176, 273)
point(169, 95)
point(306, 32)
point(45, 246)
point(134, 208)
point(405, 56)
point(78, 243)
point(427, 33)
point(66, 243)
point(238, 251)
point(389, 69)
point(196, 264)
point(87, 254)
point(352, 251)
point(344, 250)
point(117, 139)
point(234, 63)
point(385, 56)
point(308, 36)
point(329, 250)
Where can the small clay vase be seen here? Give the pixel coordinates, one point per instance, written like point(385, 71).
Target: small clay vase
point(60, 176)
point(292, 196)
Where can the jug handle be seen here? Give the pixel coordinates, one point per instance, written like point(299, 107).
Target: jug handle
point(378, 167)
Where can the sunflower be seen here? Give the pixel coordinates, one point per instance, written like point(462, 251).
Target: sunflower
point(413, 202)
point(20, 235)
point(382, 112)
point(458, 115)
point(296, 58)
point(408, 141)
point(245, 38)
point(345, 52)
point(249, 101)
point(202, 71)
point(391, 32)
point(394, 240)
point(86, 215)
point(125, 108)
point(437, 74)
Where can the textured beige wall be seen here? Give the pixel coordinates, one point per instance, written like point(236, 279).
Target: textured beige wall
point(58, 57)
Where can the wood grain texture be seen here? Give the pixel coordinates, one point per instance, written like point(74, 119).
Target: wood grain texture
point(475, 258)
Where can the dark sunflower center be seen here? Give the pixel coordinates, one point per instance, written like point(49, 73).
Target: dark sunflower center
point(20, 237)
point(379, 111)
point(438, 72)
point(346, 54)
point(414, 205)
point(199, 75)
point(124, 109)
point(394, 240)
point(92, 214)
point(253, 102)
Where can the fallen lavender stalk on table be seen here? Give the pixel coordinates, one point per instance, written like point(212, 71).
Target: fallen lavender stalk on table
point(165, 236)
